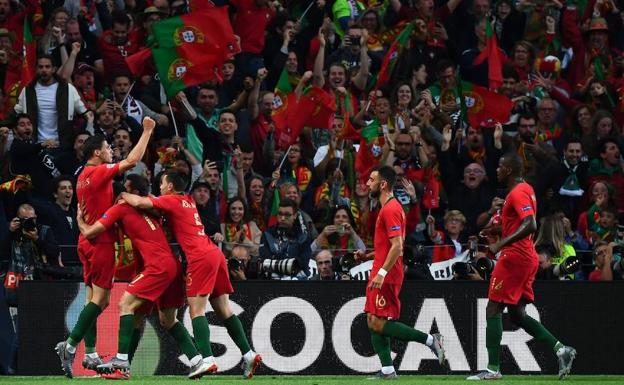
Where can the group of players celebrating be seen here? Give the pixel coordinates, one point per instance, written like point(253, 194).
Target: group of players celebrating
point(161, 282)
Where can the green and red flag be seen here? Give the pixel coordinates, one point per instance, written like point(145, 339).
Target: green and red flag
point(140, 62)
point(191, 48)
point(283, 101)
point(369, 153)
point(482, 104)
point(494, 58)
point(315, 108)
point(177, 73)
point(274, 207)
point(198, 33)
point(392, 56)
point(348, 132)
point(29, 52)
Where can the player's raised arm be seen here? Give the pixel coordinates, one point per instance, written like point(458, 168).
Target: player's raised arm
point(136, 154)
point(88, 231)
point(137, 201)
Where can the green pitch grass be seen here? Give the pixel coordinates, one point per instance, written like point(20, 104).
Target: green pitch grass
point(317, 380)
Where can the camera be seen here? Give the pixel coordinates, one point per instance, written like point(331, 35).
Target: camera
point(569, 266)
point(462, 269)
point(288, 266)
point(234, 264)
point(485, 265)
point(28, 224)
point(347, 262)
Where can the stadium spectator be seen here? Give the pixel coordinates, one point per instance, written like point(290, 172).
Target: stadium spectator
point(450, 239)
point(340, 236)
point(238, 229)
point(60, 217)
point(603, 257)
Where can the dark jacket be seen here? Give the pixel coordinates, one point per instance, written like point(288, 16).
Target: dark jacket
point(279, 244)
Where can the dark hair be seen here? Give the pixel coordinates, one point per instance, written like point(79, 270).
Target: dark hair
point(92, 144)
point(120, 17)
point(387, 173)
point(514, 162)
point(122, 75)
point(602, 144)
point(21, 116)
point(46, 56)
point(62, 178)
point(546, 249)
point(176, 178)
point(246, 212)
point(510, 72)
point(573, 139)
point(345, 208)
point(444, 64)
point(122, 128)
point(226, 111)
point(139, 183)
point(289, 203)
point(208, 86)
point(526, 116)
point(609, 209)
point(118, 188)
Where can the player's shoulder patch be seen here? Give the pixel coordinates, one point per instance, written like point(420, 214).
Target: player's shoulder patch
point(110, 165)
point(395, 228)
point(526, 208)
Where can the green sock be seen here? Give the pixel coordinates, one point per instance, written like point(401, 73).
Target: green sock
point(539, 332)
point(87, 317)
point(183, 338)
point(493, 335)
point(90, 338)
point(126, 329)
point(134, 343)
point(400, 331)
point(201, 331)
point(381, 346)
point(235, 330)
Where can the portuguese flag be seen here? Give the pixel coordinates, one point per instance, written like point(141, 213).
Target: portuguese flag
point(315, 108)
point(198, 33)
point(370, 151)
point(482, 104)
point(177, 73)
point(140, 62)
point(392, 56)
point(283, 99)
point(191, 48)
point(494, 60)
point(30, 55)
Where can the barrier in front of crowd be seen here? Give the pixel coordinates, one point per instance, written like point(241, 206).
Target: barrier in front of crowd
point(319, 328)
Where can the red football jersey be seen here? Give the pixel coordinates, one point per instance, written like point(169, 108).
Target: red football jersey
point(146, 234)
point(390, 223)
point(185, 224)
point(519, 204)
point(94, 190)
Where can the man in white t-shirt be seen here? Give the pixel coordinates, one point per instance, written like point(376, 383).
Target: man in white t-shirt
point(52, 105)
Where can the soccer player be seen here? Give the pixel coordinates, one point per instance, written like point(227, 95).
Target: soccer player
point(94, 190)
point(207, 271)
point(383, 307)
point(511, 284)
point(159, 281)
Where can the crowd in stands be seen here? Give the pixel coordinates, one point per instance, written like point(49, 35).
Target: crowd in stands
point(562, 66)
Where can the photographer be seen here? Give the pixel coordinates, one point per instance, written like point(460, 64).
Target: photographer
point(28, 248)
point(325, 267)
point(286, 243)
point(241, 265)
point(340, 235)
point(552, 268)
